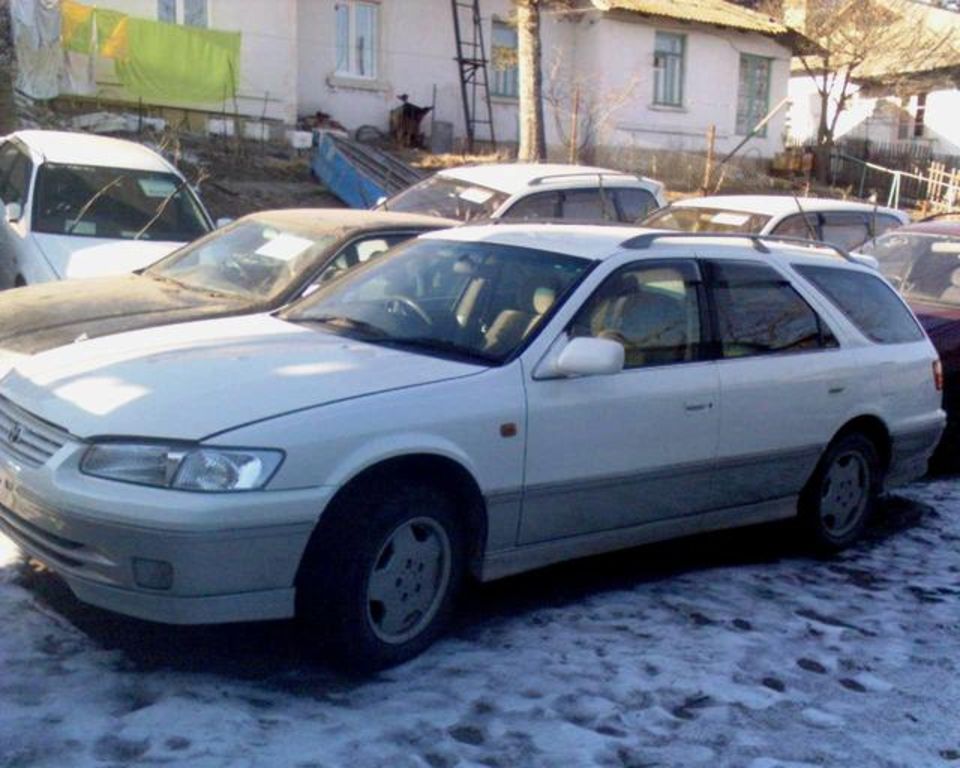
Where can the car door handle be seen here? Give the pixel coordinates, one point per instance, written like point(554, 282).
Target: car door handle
point(836, 389)
point(698, 406)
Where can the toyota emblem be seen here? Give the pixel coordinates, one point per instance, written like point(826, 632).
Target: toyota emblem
point(13, 436)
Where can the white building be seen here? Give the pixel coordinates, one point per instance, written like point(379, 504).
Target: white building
point(893, 102)
point(656, 74)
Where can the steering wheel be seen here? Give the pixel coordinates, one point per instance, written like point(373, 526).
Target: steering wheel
point(404, 305)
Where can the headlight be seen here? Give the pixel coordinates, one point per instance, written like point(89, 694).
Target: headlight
point(184, 468)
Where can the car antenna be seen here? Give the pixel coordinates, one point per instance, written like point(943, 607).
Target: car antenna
point(803, 215)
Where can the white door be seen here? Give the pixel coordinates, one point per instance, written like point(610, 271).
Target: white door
point(784, 383)
point(606, 452)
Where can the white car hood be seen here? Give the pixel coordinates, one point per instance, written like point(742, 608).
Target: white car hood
point(192, 380)
point(71, 256)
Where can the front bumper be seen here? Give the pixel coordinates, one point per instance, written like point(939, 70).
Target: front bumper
point(234, 557)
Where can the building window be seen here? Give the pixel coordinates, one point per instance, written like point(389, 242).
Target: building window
point(668, 69)
point(920, 116)
point(753, 97)
point(503, 55)
point(357, 39)
point(192, 13)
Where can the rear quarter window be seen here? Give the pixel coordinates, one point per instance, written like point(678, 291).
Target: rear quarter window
point(867, 301)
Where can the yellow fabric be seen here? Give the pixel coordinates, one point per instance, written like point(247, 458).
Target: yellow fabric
point(76, 29)
point(114, 41)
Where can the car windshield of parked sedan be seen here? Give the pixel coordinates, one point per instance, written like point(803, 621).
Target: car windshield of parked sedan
point(698, 219)
point(473, 301)
point(116, 203)
point(920, 265)
point(449, 198)
point(250, 258)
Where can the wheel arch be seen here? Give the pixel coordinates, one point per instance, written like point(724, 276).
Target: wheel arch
point(437, 469)
point(876, 430)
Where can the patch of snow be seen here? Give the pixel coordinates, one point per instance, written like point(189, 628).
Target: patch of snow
point(729, 650)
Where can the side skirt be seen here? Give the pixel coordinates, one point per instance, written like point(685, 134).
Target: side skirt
point(497, 565)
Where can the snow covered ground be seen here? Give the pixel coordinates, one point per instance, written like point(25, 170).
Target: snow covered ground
point(727, 650)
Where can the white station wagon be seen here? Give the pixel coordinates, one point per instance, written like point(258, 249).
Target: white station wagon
point(480, 402)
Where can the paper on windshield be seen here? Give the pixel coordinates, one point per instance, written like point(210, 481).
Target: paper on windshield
point(87, 228)
point(284, 247)
point(476, 195)
point(157, 187)
point(730, 219)
point(946, 247)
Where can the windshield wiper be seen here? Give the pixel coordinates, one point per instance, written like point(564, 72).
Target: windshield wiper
point(442, 345)
point(340, 322)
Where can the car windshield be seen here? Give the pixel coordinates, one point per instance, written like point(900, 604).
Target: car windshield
point(919, 265)
point(116, 203)
point(442, 196)
point(474, 301)
point(696, 219)
point(250, 258)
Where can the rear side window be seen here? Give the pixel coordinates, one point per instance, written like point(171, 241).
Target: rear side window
point(759, 313)
point(867, 301)
point(634, 204)
point(544, 205)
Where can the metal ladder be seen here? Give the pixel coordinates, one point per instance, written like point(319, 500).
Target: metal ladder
point(472, 62)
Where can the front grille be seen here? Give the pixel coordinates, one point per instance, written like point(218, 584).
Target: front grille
point(26, 438)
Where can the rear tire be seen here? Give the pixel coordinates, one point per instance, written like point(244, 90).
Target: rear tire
point(840, 497)
point(382, 573)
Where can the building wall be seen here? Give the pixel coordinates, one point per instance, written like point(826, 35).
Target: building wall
point(268, 66)
point(878, 118)
point(612, 60)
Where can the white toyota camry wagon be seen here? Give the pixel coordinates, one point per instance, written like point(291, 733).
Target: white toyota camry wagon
point(479, 402)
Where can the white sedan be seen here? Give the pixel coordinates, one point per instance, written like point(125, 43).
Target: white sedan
point(484, 401)
point(79, 205)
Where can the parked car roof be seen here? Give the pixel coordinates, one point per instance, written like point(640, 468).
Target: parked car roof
point(90, 149)
point(515, 177)
point(599, 242)
point(330, 219)
point(775, 205)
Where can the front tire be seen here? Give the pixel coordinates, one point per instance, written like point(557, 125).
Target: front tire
point(381, 576)
point(840, 497)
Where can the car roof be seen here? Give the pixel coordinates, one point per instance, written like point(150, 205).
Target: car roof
point(89, 149)
point(329, 220)
point(598, 242)
point(941, 227)
point(778, 205)
point(512, 178)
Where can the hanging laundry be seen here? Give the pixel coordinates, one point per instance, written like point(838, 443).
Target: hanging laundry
point(36, 34)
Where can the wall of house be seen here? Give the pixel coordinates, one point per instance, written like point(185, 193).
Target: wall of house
point(878, 118)
point(611, 60)
point(621, 52)
point(268, 66)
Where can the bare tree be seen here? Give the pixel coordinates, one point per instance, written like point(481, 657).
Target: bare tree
point(8, 110)
point(859, 39)
point(581, 105)
point(533, 143)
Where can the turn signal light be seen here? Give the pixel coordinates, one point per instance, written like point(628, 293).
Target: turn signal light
point(938, 375)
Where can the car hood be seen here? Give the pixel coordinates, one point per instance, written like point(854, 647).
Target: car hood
point(70, 256)
point(193, 380)
point(935, 318)
point(47, 315)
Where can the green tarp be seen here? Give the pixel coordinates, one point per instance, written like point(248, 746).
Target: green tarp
point(177, 63)
point(154, 60)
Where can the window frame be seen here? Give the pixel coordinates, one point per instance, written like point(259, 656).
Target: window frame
point(509, 75)
point(703, 347)
point(180, 14)
point(827, 341)
point(352, 71)
point(753, 61)
point(659, 72)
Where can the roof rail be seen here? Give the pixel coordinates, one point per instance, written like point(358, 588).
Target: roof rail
point(759, 242)
point(536, 180)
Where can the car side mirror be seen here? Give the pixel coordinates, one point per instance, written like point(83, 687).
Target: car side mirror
point(223, 221)
point(12, 212)
point(588, 356)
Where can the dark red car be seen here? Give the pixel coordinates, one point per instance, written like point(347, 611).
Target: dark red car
point(922, 260)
